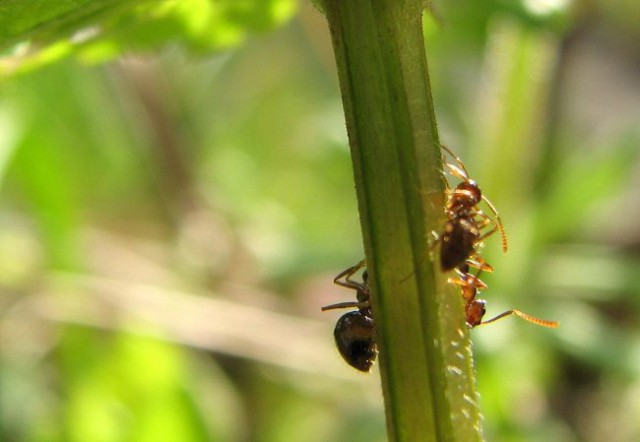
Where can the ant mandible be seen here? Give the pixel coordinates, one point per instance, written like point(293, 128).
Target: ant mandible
point(354, 332)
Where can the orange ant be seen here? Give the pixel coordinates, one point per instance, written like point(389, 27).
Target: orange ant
point(475, 308)
point(463, 230)
point(354, 332)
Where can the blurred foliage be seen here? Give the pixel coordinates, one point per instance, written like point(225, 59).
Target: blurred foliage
point(41, 32)
point(171, 223)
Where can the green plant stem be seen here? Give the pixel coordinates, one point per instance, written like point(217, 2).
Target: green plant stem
point(425, 356)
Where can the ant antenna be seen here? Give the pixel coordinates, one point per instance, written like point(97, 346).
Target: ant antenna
point(503, 235)
point(526, 317)
point(460, 166)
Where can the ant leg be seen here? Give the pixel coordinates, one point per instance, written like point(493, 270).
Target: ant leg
point(347, 274)
point(479, 263)
point(463, 272)
point(472, 283)
point(348, 304)
point(526, 317)
point(344, 280)
point(497, 226)
point(487, 234)
point(355, 268)
point(467, 279)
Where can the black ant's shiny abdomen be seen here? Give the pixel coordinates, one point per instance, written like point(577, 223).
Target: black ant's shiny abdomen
point(355, 339)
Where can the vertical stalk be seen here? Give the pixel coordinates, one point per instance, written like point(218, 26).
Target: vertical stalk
point(425, 355)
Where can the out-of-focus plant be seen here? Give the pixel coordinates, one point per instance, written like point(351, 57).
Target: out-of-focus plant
point(45, 31)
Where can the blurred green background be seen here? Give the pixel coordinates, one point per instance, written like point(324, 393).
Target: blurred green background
point(170, 224)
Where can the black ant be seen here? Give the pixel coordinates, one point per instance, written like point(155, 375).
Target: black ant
point(474, 308)
point(463, 230)
point(354, 332)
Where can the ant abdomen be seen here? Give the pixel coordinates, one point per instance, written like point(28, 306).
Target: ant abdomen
point(355, 339)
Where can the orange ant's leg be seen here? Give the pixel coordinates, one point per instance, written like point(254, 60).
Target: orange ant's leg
point(477, 284)
point(526, 317)
point(464, 274)
point(347, 274)
point(486, 220)
point(467, 279)
point(497, 226)
point(485, 235)
point(476, 261)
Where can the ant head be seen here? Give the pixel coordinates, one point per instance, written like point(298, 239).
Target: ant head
point(355, 339)
point(475, 310)
point(467, 194)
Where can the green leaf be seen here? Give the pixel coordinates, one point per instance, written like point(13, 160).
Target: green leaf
point(39, 32)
